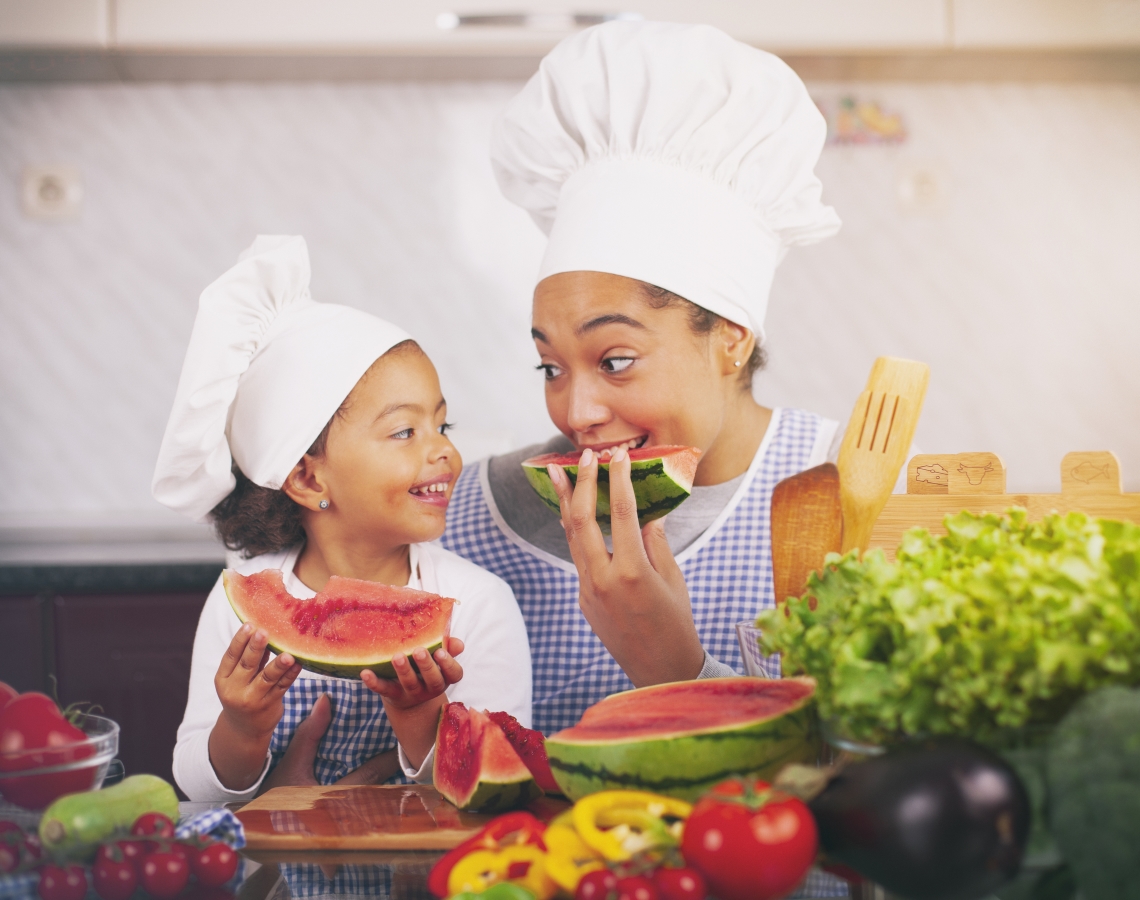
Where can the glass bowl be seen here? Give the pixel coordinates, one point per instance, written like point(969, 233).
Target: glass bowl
point(34, 778)
point(755, 662)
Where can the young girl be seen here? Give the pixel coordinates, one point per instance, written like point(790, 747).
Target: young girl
point(313, 436)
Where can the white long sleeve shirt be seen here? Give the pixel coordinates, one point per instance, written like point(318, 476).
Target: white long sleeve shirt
point(496, 661)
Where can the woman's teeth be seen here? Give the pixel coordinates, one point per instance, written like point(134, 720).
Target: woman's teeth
point(437, 488)
point(631, 444)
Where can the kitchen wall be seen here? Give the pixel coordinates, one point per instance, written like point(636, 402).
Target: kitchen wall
point(998, 242)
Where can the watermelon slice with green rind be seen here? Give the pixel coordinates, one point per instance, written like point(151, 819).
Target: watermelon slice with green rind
point(682, 738)
point(348, 627)
point(475, 766)
point(662, 479)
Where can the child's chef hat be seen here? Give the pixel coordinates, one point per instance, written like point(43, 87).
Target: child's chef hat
point(266, 369)
point(671, 154)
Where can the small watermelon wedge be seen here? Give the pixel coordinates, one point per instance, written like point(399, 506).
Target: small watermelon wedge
point(348, 627)
point(475, 766)
point(662, 480)
point(681, 738)
point(530, 745)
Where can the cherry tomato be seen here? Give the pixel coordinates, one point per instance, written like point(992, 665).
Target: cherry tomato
point(164, 874)
point(114, 875)
point(680, 884)
point(58, 883)
point(9, 856)
point(133, 851)
point(749, 841)
point(637, 887)
point(34, 734)
point(214, 864)
point(596, 885)
point(153, 825)
point(7, 692)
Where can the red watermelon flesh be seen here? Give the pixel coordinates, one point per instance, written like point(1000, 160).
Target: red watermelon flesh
point(530, 745)
point(475, 766)
point(350, 626)
point(680, 462)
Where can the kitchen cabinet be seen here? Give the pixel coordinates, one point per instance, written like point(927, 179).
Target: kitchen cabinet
point(54, 23)
point(1045, 24)
point(22, 646)
point(413, 25)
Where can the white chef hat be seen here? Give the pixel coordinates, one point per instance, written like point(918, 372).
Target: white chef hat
point(266, 369)
point(672, 154)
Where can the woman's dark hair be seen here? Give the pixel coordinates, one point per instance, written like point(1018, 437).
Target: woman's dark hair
point(703, 321)
point(254, 519)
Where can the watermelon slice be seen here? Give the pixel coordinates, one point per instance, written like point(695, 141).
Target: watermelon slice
point(681, 738)
point(662, 479)
point(530, 745)
point(348, 627)
point(475, 765)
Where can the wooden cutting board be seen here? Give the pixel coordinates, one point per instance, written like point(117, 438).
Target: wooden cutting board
point(940, 485)
point(362, 817)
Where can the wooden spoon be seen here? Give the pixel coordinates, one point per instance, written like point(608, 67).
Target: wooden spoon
point(876, 443)
point(807, 524)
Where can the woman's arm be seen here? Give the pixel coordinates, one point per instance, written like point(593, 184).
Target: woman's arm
point(635, 599)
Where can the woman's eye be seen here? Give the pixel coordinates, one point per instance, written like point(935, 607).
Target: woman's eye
point(551, 371)
point(446, 427)
point(615, 364)
point(404, 435)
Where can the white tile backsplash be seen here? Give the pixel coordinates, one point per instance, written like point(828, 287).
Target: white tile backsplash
point(1022, 290)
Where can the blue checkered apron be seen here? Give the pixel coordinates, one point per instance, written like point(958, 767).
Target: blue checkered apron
point(729, 577)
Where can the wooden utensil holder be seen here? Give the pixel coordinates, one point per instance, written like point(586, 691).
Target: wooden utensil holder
point(938, 485)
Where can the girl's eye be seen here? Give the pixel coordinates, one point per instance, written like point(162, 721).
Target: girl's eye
point(446, 427)
point(552, 371)
point(404, 435)
point(615, 364)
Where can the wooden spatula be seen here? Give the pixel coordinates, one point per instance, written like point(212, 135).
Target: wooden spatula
point(807, 524)
point(876, 442)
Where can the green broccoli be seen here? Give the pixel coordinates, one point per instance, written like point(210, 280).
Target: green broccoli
point(1093, 773)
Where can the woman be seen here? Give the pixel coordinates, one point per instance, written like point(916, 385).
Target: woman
point(672, 168)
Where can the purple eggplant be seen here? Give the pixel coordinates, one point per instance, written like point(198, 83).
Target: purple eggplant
point(937, 819)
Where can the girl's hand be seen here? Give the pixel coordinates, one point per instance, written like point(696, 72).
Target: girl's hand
point(410, 688)
point(250, 690)
point(635, 599)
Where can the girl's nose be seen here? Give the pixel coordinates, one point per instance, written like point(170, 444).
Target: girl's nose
point(586, 410)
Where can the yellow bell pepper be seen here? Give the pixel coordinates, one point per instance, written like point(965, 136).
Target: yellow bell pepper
point(568, 856)
point(618, 824)
point(482, 868)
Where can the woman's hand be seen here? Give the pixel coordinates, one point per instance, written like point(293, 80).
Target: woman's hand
point(635, 599)
point(251, 690)
point(413, 700)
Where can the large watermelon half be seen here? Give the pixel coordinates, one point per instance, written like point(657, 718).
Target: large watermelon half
point(348, 627)
point(475, 766)
point(662, 478)
point(681, 738)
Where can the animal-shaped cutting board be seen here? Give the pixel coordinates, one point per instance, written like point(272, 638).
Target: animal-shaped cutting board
point(363, 817)
point(941, 485)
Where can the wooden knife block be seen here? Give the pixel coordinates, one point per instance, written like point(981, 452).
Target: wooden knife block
point(938, 485)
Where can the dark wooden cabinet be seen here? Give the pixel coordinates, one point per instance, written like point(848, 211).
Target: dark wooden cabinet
point(24, 662)
point(130, 654)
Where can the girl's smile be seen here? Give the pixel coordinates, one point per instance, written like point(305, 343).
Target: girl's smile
point(436, 491)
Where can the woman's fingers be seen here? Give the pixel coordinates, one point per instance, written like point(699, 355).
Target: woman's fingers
point(234, 651)
point(579, 518)
point(660, 556)
point(624, 527)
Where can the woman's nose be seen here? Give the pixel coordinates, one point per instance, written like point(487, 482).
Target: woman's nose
point(586, 410)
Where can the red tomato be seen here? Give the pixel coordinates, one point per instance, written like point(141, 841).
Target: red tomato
point(58, 883)
point(596, 885)
point(114, 875)
point(749, 841)
point(637, 887)
point(153, 825)
point(134, 851)
point(7, 692)
point(10, 853)
point(164, 874)
point(680, 884)
point(33, 734)
point(214, 864)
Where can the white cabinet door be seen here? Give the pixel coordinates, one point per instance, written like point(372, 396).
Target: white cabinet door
point(53, 23)
point(1046, 23)
point(414, 24)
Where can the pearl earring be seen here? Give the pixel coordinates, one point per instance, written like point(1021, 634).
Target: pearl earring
point(324, 504)
point(737, 364)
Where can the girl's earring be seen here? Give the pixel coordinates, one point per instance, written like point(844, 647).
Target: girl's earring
point(324, 504)
point(737, 364)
